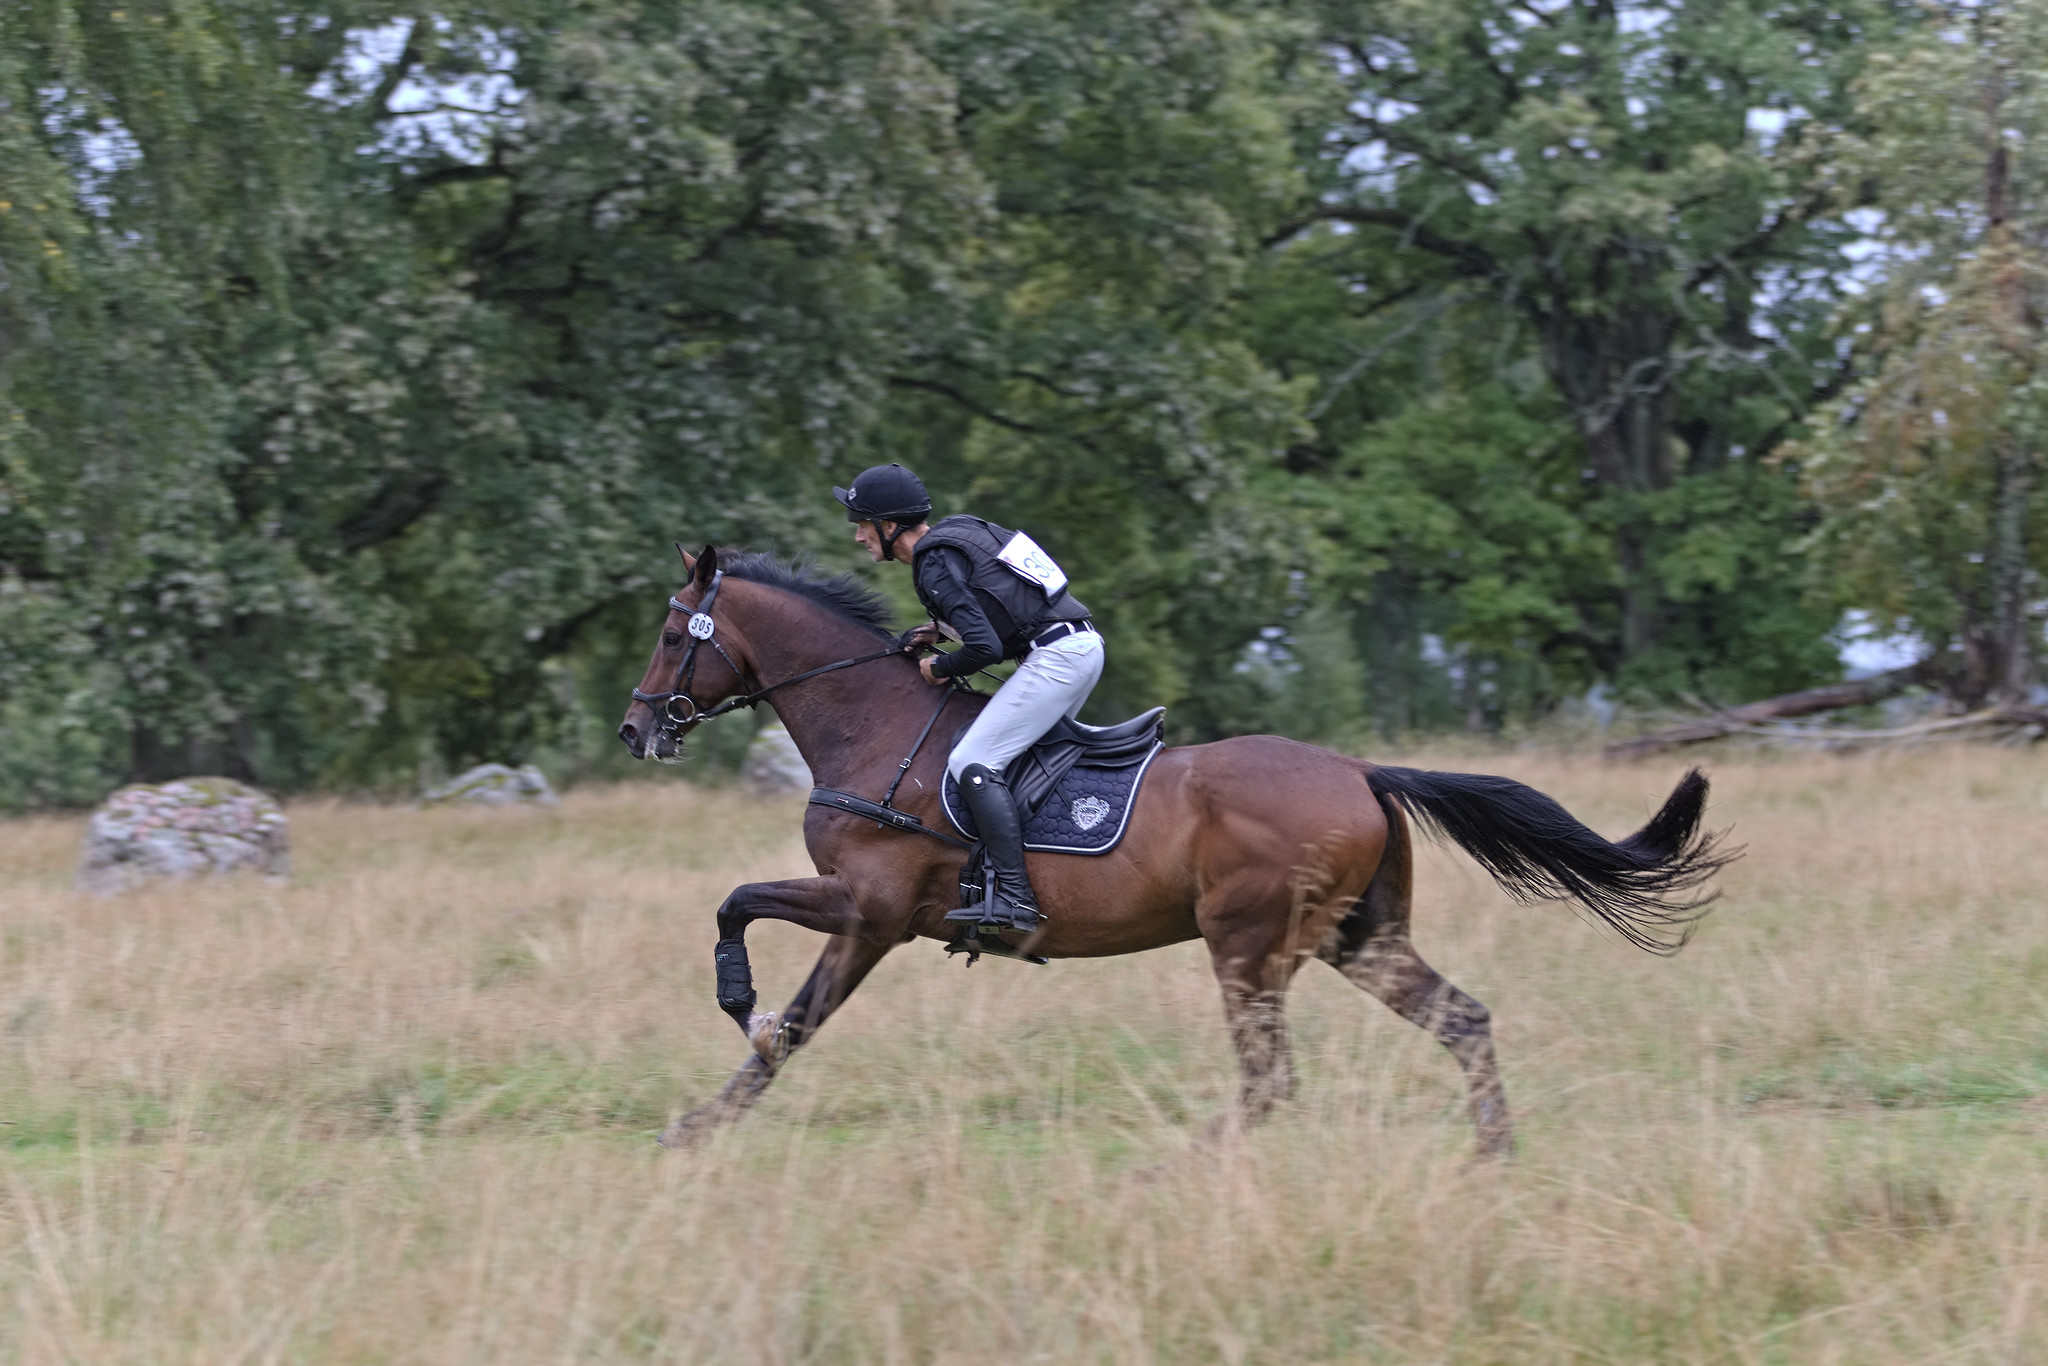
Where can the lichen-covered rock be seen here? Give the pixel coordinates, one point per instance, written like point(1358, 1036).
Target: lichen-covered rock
point(773, 766)
point(182, 829)
point(493, 785)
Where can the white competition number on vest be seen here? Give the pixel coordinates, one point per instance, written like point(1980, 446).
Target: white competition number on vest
point(1025, 558)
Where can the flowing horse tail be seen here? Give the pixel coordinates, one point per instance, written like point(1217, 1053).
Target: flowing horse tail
point(1537, 851)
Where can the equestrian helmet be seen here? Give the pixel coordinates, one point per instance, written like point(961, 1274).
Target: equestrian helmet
point(885, 493)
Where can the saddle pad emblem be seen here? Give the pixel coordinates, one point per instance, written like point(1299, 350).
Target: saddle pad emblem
point(1089, 812)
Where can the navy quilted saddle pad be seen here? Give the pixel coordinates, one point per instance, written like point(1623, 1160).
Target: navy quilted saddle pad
point(1086, 805)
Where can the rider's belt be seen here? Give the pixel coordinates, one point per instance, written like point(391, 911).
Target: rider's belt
point(1060, 630)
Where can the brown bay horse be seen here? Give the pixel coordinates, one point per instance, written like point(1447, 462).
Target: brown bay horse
point(1270, 851)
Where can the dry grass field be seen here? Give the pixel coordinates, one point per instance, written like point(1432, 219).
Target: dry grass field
point(401, 1109)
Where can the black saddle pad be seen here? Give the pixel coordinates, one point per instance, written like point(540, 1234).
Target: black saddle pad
point(1076, 785)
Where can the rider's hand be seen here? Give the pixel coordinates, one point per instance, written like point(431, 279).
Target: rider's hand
point(927, 634)
point(924, 666)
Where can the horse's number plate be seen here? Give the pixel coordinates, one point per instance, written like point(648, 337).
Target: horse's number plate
point(1024, 558)
point(701, 626)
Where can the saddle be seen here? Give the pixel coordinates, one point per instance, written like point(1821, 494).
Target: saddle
point(1035, 774)
point(1075, 787)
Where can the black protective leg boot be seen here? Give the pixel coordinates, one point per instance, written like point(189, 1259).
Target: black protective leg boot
point(1008, 902)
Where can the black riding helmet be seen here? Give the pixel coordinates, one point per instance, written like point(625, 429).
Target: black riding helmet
point(886, 493)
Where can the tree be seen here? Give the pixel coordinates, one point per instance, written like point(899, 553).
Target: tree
point(1616, 179)
point(1926, 471)
point(330, 421)
point(357, 370)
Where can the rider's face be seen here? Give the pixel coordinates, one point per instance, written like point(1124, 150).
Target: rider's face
point(869, 535)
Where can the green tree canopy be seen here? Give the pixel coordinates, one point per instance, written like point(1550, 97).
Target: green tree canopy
point(1619, 184)
point(360, 367)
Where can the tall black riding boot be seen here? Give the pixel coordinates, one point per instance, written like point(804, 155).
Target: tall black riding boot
point(1008, 901)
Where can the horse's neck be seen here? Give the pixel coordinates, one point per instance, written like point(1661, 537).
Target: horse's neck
point(844, 722)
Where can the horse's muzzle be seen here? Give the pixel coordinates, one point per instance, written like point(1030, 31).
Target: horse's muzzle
point(647, 734)
point(635, 742)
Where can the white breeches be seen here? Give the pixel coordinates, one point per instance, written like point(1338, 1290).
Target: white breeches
point(1053, 681)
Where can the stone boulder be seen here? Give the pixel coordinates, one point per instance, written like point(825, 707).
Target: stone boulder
point(493, 785)
point(773, 767)
point(182, 829)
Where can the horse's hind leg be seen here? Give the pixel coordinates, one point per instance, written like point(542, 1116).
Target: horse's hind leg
point(1389, 967)
point(1254, 960)
point(1370, 946)
point(1265, 1058)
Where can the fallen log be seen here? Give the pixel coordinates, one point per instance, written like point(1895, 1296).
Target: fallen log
point(2004, 725)
point(1856, 692)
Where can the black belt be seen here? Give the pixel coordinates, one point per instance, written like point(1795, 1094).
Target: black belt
point(1060, 630)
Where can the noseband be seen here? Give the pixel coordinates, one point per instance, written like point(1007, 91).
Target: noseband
point(677, 709)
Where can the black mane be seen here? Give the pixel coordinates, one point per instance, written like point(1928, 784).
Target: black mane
point(841, 594)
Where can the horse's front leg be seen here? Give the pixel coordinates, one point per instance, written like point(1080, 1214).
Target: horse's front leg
point(824, 904)
point(840, 969)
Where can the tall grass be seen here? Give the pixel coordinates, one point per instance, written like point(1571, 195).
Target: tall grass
point(400, 1110)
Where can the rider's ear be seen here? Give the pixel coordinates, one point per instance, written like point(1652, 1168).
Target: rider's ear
point(706, 566)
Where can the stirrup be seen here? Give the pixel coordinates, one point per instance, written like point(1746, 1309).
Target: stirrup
point(981, 938)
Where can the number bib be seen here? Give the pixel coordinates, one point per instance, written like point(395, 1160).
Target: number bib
point(1030, 563)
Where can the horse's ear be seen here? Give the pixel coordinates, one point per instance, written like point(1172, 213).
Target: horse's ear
point(689, 561)
point(706, 566)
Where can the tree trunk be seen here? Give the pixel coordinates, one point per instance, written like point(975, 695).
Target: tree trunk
point(2010, 662)
point(1616, 370)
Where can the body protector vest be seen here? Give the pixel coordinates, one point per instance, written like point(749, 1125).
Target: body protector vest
point(1008, 567)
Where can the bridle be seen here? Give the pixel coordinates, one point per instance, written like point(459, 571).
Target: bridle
point(703, 630)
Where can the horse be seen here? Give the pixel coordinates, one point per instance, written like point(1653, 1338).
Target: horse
point(1270, 851)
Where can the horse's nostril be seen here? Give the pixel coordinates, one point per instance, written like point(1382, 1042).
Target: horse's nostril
point(628, 733)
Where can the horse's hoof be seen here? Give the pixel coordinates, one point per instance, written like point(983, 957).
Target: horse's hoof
point(686, 1134)
point(1494, 1151)
point(769, 1036)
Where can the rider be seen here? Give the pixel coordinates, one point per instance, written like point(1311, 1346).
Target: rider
point(1001, 597)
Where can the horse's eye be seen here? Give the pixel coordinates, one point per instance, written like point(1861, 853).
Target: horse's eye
point(672, 639)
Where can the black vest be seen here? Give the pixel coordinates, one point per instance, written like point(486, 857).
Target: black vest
point(1023, 601)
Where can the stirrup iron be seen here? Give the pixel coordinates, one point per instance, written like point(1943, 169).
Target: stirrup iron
point(976, 940)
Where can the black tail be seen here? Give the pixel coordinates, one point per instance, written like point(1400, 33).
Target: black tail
point(1537, 851)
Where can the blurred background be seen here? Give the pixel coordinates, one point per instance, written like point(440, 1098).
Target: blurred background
point(1376, 369)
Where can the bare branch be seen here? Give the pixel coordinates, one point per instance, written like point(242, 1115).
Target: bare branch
point(1368, 356)
point(1476, 259)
